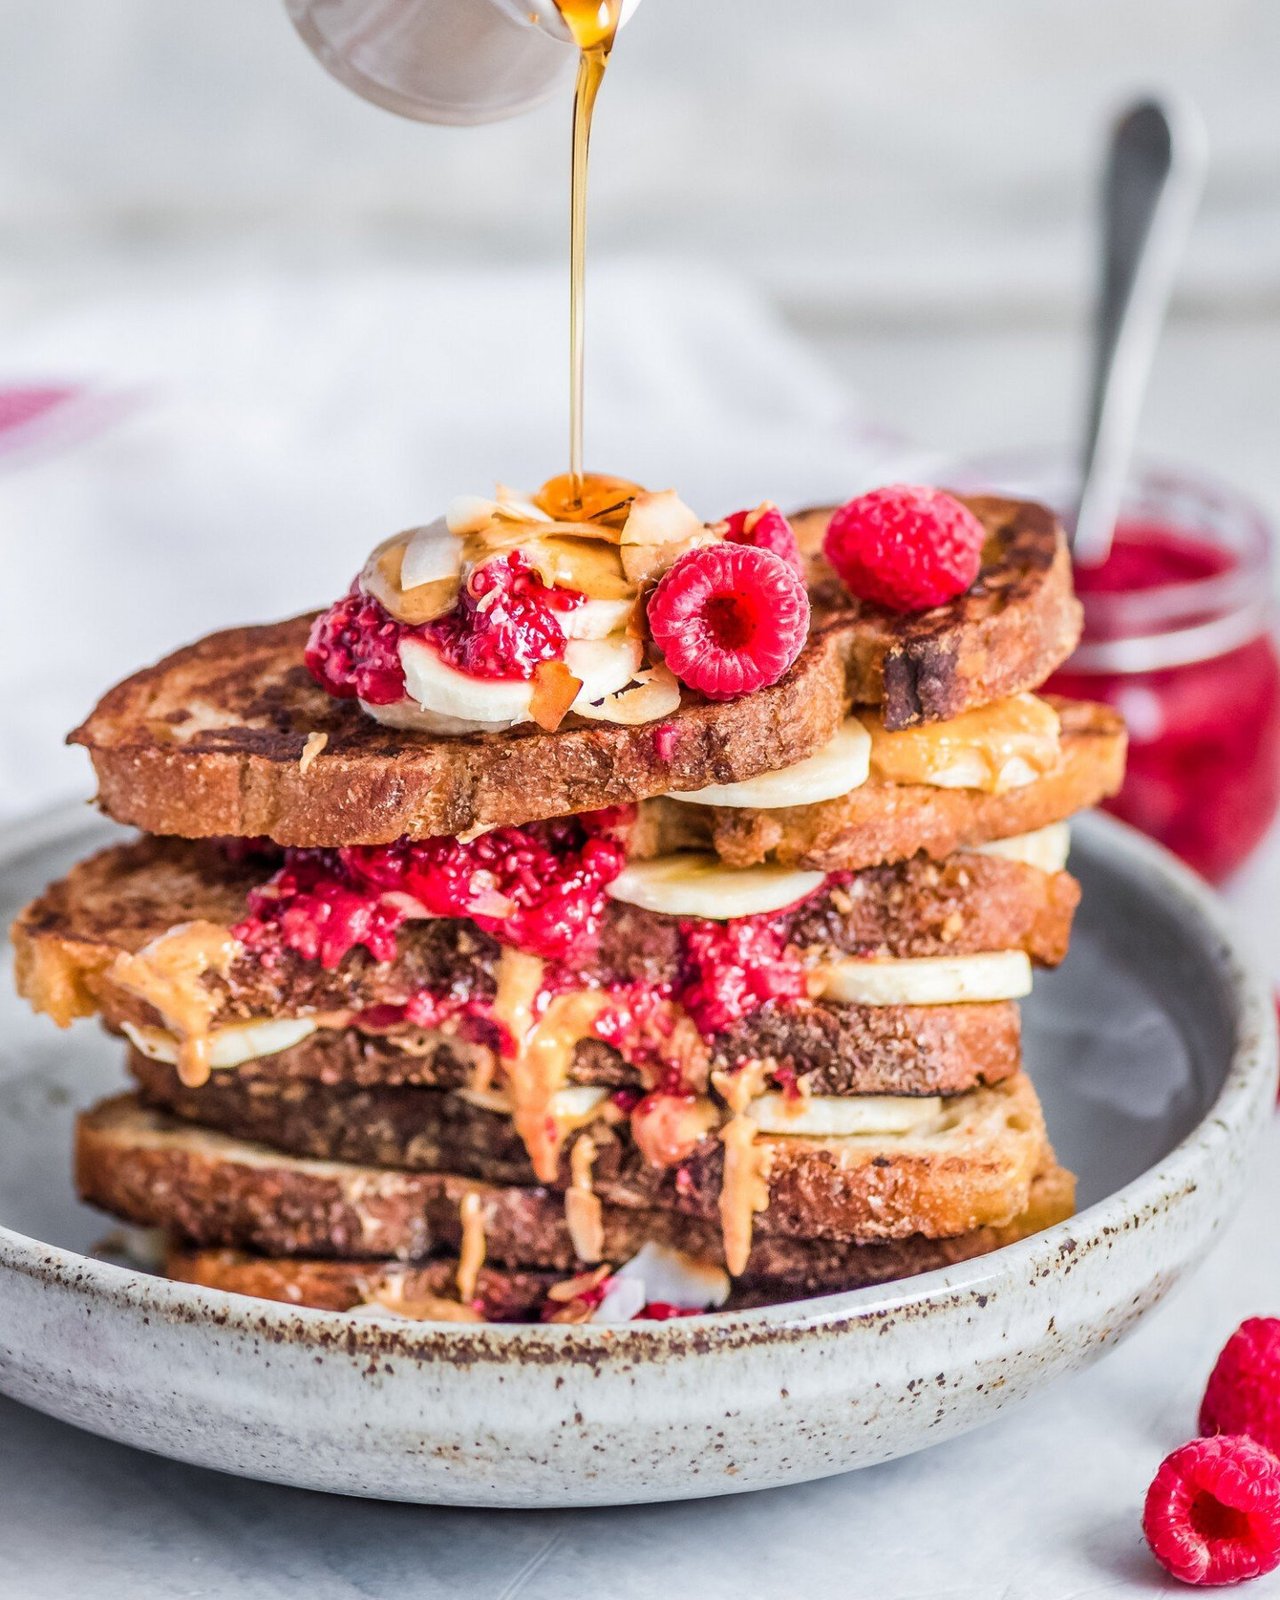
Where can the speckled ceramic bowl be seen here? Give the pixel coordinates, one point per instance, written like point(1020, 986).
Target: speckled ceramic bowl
point(1154, 1052)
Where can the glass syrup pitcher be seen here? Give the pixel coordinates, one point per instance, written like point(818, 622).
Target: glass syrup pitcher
point(445, 61)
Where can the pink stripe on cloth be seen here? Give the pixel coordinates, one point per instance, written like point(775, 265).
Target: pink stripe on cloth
point(35, 417)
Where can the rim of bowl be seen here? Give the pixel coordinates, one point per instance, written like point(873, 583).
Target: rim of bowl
point(1252, 1066)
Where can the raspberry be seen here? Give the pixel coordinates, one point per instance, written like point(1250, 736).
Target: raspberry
point(1243, 1394)
point(354, 650)
point(505, 621)
point(766, 529)
point(729, 619)
point(905, 548)
point(733, 968)
point(1212, 1513)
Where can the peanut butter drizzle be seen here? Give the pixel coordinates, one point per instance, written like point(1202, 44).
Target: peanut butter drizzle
point(583, 1213)
point(471, 1255)
point(166, 974)
point(1021, 728)
point(745, 1188)
point(422, 1307)
point(543, 1052)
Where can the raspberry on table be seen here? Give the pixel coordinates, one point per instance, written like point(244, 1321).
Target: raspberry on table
point(1243, 1393)
point(729, 618)
point(905, 547)
point(1212, 1513)
point(766, 528)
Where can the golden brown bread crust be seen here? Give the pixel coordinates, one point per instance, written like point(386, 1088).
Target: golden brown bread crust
point(885, 822)
point(501, 1294)
point(512, 1295)
point(835, 1049)
point(1011, 629)
point(972, 1171)
point(291, 1103)
point(213, 1191)
point(234, 768)
point(210, 740)
point(68, 939)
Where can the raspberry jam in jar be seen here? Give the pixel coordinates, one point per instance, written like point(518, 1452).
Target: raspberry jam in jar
point(1177, 638)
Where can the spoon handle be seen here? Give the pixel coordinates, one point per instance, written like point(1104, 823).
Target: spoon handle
point(1154, 179)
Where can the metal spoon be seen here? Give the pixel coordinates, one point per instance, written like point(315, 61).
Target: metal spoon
point(1154, 179)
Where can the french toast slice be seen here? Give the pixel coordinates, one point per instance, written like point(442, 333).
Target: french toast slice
point(230, 736)
point(833, 1049)
point(70, 940)
point(885, 822)
point(511, 1294)
point(212, 1191)
point(967, 1165)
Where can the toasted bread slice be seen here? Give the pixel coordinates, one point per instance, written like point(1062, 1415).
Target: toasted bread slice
point(832, 1049)
point(70, 939)
point(423, 1291)
point(886, 822)
point(212, 1191)
point(211, 740)
point(967, 1166)
point(511, 1295)
point(1016, 624)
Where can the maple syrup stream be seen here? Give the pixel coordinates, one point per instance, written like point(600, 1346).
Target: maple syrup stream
point(594, 26)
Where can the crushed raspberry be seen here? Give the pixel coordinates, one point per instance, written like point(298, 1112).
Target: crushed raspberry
point(729, 619)
point(354, 650)
point(905, 548)
point(766, 529)
point(506, 621)
point(307, 907)
point(733, 968)
point(1212, 1513)
point(540, 888)
point(666, 736)
point(1243, 1394)
point(663, 1311)
point(667, 1128)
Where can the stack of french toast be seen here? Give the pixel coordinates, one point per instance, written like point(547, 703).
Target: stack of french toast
point(595, 914)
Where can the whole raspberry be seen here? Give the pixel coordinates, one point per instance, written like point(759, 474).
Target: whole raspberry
point(904, 547)
point(767, 529)
point(1243, 1393)
point(1212, 1513)
point(729, 619)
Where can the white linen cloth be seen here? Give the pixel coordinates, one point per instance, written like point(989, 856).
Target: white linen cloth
point(229, 452)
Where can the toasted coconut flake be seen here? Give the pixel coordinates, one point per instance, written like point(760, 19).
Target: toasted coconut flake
point(554, 690)
point(655, 693)
point(314, 745)
point(583, 1283)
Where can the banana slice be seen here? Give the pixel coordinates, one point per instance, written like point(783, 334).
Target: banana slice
point(838, 767)
point(231, 1046)
point(603, 665)
point(1005, 745)
point(434, 686)
point(829, 1116)
point(928, 980)
point(596, 619)
point(658, 1273)
point(697, 885)
point(1046, 848)
point(445, 701)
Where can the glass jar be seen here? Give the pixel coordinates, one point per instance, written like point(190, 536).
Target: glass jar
point(1178, 639)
